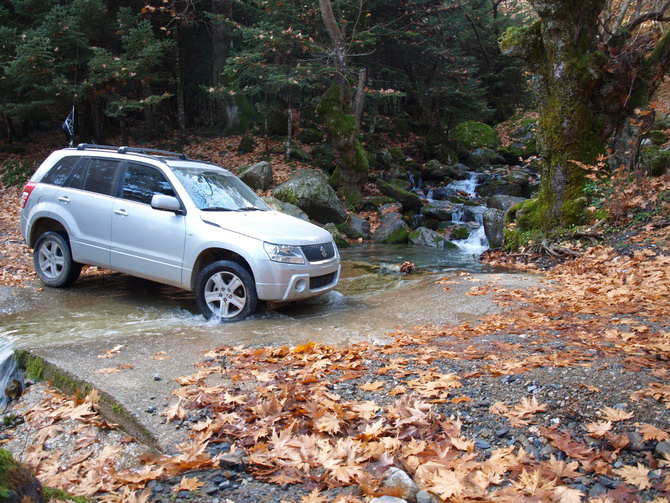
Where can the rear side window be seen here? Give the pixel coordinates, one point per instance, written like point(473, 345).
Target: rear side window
point(142, 182)
point(101, 175)
point(60, 171)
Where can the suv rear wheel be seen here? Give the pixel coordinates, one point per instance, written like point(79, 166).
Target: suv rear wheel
point(53, 260)
point(225, 290)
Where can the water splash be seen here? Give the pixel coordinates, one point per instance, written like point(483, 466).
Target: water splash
point(11, 377)
point(467, 186)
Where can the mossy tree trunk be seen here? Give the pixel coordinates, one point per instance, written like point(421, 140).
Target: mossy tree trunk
point(351, 170)
point(342, 117)
point(585, 94)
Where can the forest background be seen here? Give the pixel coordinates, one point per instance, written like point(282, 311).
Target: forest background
point(369, 74)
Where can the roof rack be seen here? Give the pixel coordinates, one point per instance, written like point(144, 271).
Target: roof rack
point(135, 150)
point(142, 150)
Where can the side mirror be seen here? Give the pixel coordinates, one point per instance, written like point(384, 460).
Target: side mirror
point(166, 203)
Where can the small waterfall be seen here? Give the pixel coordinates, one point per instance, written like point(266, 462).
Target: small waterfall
point(11, 377)
point(466, 186)
point(476, 243)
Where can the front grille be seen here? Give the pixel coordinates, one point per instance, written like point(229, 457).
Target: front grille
point(321, 281)
point(319, 253)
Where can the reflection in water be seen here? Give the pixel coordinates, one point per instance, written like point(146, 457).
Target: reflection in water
point(373, 297)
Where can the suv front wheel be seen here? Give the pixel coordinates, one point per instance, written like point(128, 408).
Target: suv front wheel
point(225, 290)
point(53, 260)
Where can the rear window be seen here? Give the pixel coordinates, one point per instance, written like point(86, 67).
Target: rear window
point(60, 171)
point(101, 175)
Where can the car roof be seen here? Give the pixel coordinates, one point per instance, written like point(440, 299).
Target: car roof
point(172, 159)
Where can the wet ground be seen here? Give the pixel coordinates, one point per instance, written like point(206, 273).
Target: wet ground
point(373, 297)
point(158, 336)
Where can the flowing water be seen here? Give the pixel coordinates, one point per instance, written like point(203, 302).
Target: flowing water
point(476, 242)
point(372, 298)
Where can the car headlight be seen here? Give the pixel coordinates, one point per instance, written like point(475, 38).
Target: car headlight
point(287, 254)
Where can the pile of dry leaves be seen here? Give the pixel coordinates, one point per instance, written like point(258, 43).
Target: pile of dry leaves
point(563, 398)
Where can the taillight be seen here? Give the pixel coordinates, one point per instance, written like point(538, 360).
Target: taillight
point(27, 190)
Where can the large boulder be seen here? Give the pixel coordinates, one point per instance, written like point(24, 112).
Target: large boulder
point(483, 157)
point(288, 208)
point(409, 200)
point(356, 227)
point(338, 237)
point(258, 176)
point(310, 192)
point(426, 237)
point(439, 210)
point(434, 170)
point(393, 230)
point(473, 134)
point(503, 202)
point(494, 226)
point(497, 186)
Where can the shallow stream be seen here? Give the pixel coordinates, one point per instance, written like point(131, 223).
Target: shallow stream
point(372, 299)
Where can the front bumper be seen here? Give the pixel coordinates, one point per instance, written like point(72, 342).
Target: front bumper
point(291, 283)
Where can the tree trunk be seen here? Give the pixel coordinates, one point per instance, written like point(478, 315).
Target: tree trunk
point(181, 107)
point(352, 166)
point(339, 48)
point(570, 127)
point(220, 42)
point(586, 94)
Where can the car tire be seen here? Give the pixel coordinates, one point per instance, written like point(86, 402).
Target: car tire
point(53, 260)
point(225, 290)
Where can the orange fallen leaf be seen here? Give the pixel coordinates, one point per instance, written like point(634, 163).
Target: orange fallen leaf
point(188, 484)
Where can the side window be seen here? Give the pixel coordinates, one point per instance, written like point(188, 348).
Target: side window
point(101, 175)
point(142, 182)
point(60, 171)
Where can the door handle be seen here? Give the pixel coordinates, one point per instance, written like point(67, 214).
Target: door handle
point(64, 199)
point(121, 213)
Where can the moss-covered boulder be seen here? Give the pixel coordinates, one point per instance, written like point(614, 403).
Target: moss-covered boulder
point(426, 237)
point(503, 202)
point(436, 171)
point(393, 230)
point(288, 208)
point(297, 153)
point(372, 203)
point(658, 137)
point(310, 192)
point(409, 200)
point(442, 211)
point(460, 232)
point(472, 134)
point(310, 135)
point(484, 157)
point(277, 122)
point(654, 160)
point(258, 176)
point(494, 227)
point(17, 483)
point(356, 227)
point(338, 237)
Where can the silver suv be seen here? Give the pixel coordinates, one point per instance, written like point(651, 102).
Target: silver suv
point(164, 217)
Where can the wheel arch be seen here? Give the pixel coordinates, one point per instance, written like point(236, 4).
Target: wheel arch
point(45, 224)
point(210, 255)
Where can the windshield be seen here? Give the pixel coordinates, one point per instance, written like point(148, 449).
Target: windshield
point(215, 189)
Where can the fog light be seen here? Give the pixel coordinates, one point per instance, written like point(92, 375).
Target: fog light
point(300, 285)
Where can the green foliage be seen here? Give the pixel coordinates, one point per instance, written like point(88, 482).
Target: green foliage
point(655, 161)
point(16, 173)
point(246, 145)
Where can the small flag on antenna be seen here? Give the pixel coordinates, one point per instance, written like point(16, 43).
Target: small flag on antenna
point(68, 126)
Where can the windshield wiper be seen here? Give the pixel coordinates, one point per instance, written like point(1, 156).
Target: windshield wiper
point(250, 208)
point(217, 208)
